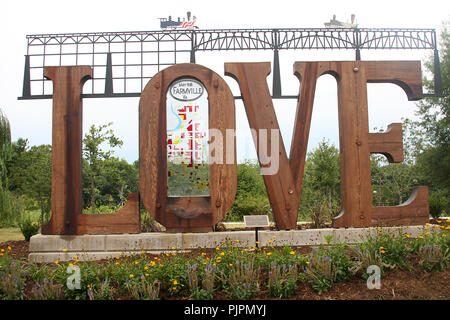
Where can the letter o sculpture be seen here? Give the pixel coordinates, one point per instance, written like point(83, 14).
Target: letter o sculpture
point(184, 214)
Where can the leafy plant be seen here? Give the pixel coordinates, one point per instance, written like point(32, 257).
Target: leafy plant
point(12, 282)
point(282, 280)
point(320, 272)
point(242, 281)
point(28, 227)
point(433, 257)
point(437, 205)
point(143, 289)
point(103, 292)
point(48, 290)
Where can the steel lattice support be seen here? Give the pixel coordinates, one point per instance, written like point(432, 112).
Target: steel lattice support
point(123, 62)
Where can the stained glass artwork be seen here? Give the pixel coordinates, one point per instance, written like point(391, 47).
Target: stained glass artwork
point(187, 139)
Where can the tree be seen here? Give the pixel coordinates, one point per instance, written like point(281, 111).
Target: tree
point(30, 172)
point(5, 147)
point(94, 154)
point(322, 172)
point(430, 134)
point(38, 177)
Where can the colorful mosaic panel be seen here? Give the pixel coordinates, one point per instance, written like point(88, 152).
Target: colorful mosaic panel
point(187, 139)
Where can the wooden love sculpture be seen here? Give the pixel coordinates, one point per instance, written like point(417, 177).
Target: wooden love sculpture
point(199, 214)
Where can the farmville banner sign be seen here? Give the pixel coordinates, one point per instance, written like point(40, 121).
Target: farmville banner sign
point(187, 150)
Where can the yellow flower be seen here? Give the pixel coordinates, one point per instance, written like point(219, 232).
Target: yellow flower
point(381, 248)
point(222, 253)
point(174, 288)
point(146, 274)
point(407, 235)
point(307, 262)
point(136, 262)
point(439, 221)
point(237, 240)
point(143, 252)
point(268, 253)
point(292, 253)
point(325, 242)
point(70, 264)
point(1, 254)
point(426, 228)
point(257, 242)
point(152, 263)
point(131, 275)
point(447, 228)
point(2, 250)
point(9, 248)
point(145, 268)
point(421, 237)
point(56, 262)
point(230, 264)
point(64, 250)
point(427, 233)
point(117, 263)
point(270, 241)
point(217, 249)
point(203, 254)
point(427, 224)
point(273, 237)
point(382, 251)
point(173, 248)
point(88, 285)
point(175, 282)
point(75, 257)
point(444, 235)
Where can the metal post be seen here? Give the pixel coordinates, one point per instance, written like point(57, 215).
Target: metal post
point(256, 237)
point(437, 74)
point(357, 44)
point(192, 60)
point(276, 89)
point(26, 90)
point(108, 76)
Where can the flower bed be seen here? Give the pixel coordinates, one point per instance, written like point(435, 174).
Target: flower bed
point(333, 270)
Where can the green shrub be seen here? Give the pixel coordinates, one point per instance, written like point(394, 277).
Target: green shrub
point(28, 227)
point(248, 204)
point(437, 205)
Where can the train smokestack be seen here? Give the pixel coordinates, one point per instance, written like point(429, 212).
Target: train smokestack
point(189, 15)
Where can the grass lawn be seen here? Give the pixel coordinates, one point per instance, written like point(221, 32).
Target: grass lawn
point(10, 234)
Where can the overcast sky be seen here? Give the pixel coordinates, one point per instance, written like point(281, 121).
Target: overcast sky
point(31, 119)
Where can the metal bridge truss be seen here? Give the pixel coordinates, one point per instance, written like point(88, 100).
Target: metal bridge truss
point(123, 62)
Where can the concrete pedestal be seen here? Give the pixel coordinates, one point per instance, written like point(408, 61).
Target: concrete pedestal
point(49, 248)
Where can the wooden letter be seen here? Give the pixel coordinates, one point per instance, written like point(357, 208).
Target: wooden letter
point(184, 214)
point(356, 143)
point(283, 187)
point(67, 217)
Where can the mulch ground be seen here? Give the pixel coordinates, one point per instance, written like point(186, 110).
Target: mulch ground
point(395, 284)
